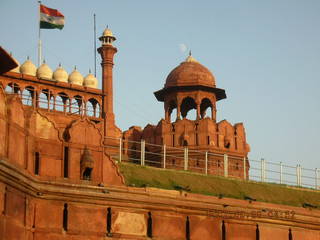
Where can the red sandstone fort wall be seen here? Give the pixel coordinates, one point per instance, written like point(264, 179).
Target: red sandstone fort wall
point(24, 216)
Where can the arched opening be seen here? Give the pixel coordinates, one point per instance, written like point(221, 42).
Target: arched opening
point(205, 104)
point(59, 104)
point(43, 99)
point(9, 89)
point(172, 110)
point(188, 104)
point(62, 102)
point(12, 88)
point(28, 96)
point(77, 105)
point(91, 107)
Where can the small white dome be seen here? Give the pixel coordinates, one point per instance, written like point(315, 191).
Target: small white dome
point(107, 33)
point(60, 75)
point(28, 68)
point(44, 71)
point(17, 69)
point(75, 77)
point(90, 81)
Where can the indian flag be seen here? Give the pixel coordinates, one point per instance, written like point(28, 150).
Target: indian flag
point(50, 18)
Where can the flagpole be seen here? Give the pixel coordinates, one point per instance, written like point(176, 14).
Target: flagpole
point(39, 42)
point(95, 46)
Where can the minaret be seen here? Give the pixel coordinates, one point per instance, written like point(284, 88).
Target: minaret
point(107, 52)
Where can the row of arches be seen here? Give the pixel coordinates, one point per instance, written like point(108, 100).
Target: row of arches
point(190, 109)
point(45, 99)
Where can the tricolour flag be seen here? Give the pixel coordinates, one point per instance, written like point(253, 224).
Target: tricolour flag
point(50, 18)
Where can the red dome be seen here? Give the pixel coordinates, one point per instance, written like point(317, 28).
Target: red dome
point(190, 73)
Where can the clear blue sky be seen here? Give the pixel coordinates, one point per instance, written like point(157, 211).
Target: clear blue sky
point(266, 54)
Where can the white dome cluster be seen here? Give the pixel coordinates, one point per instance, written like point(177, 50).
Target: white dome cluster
point(59, 75)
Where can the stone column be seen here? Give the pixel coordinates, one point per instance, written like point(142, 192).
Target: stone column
point(198, 110)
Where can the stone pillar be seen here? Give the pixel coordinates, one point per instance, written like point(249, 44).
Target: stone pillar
point(178, 112)
point(198, 111)
point(178, 109)
point(107, 52)
point(213, 113)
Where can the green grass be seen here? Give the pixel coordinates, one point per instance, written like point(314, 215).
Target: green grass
point(139, 176)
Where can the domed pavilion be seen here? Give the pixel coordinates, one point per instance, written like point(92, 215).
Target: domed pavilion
point(191, 86)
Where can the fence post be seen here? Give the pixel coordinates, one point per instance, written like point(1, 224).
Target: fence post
point(120, 149)
point(317, 178)
point(297, 174)
point(225, 164)
point(206, 163)
point(164, 156)
point(185, 158)
point(263, 170)
point(281, 175)
point(300, 175)
point(244, 169)
point(142, 152)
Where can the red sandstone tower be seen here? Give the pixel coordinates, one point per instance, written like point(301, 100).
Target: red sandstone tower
point(192, 86)
point(107, 52)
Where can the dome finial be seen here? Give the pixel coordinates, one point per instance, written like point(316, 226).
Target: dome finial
point(190, 52)
point(190, 58)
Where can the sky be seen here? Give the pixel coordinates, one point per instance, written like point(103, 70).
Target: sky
point(265, 54)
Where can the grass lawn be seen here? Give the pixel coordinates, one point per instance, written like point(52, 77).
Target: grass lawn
point(141, 176)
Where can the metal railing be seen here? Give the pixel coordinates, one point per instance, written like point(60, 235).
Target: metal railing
point(206, 162)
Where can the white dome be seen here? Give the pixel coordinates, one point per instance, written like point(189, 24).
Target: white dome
point(28, 68)
point(75, 77)
point(44, 71)
point(107, 33)
point(90, 81)
point(17, 69)
point(60, 75)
